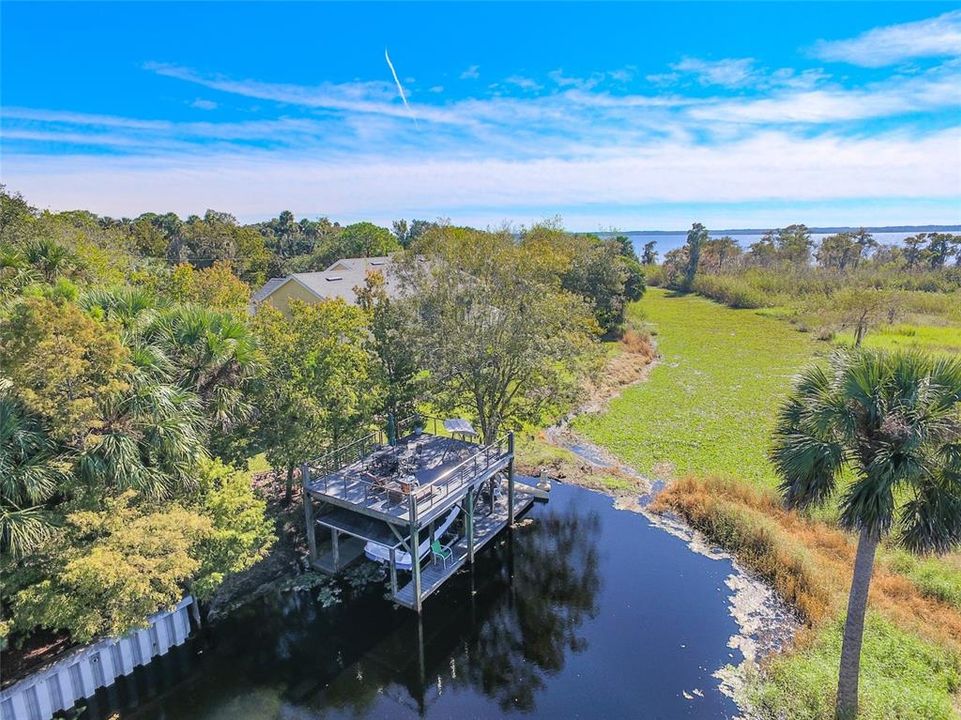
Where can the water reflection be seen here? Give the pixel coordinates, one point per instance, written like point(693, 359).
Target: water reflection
point(483, 631)
point(546, 623)
point(533, 623)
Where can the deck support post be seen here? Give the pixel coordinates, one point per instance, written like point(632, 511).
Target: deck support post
point(510, 481)
point(415, 563)
point(469, 522)
point(421, 665)
point(308, 513)
point(335, 547)
point(393, 572)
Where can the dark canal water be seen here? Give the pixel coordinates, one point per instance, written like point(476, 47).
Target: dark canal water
point(607, 616)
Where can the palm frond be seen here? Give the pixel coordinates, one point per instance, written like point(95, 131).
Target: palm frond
point(931, 520)
point(23, 529)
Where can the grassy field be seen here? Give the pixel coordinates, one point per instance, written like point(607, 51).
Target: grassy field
point(705, 414)
point(900, 336)
point(709, 405)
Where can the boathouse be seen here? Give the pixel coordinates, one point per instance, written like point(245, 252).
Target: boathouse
point(423, 498)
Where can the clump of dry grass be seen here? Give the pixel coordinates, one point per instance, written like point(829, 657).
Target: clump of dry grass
point(745, 522)
point(639, 342)
point(808, 562)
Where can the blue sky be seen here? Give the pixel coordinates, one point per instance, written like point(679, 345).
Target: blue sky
point(635, 116)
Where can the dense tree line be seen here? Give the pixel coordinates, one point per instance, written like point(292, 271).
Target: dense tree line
point(135, 385)
point(793, 248)
point(846, 282)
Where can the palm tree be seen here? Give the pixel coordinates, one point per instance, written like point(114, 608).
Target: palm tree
point(151, 437)
point(31, 472)
point(894, 421)
point(153, 430)
point(48, 257)
point(15, 271)
point(215, 355)
point(212, 354)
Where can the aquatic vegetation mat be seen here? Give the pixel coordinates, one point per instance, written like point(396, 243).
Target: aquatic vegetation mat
point(710, 402)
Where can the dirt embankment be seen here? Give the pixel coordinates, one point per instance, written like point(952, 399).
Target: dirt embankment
point(558, 453)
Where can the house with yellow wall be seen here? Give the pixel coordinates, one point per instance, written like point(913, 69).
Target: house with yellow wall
point(337, 281)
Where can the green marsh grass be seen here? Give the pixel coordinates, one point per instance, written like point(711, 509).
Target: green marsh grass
point(710, 403)
point(902, 676)
point(902, 336)
point(705, 416)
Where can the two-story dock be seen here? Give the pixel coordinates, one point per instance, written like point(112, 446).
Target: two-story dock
point(396, 501)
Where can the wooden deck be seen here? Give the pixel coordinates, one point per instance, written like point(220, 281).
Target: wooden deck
point(445, 467)
point(486, 527)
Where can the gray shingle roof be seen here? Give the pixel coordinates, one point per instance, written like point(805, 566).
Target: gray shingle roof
point(268, 288)
point(339, 280)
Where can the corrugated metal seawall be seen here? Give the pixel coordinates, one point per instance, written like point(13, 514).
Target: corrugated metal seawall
point(79, 674)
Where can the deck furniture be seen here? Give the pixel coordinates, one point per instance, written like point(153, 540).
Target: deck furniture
point(460, 430)
point(396, 497)
point(441, 551)
point(376, 484)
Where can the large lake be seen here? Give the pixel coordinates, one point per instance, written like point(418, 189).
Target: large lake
point(584, 611)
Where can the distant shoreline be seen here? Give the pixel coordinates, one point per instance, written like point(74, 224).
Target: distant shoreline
point(813, 230)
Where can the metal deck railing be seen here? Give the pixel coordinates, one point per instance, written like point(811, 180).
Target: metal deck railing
point(339, 457)
point(331, 473)
point(447, 488)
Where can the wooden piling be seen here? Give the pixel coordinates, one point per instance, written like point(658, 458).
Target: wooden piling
point(415, 563)
point(510, 481)
point(469, 522)
point(308, 512)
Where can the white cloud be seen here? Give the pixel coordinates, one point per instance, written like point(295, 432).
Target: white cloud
point(737, 73)
point(374, 97)
point(83, 128)
point(623, 75)
point(257, 183)
point(935, 37)
point(566, 121)
point(569, 81)
point(202, 104)
point(790, 78)
point(730, 72)
point(662, 79)
point(792, 136)
point(939, 89)
point(70, 118)
point(524, 83)
point(471, 73)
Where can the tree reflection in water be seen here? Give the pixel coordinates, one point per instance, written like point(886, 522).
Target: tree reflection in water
point(483, 635)
point(483, 631)
point(530, 629)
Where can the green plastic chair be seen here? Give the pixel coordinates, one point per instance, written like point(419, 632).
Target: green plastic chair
point(439, 551)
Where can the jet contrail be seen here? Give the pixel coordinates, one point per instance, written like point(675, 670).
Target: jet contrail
point(400, 87)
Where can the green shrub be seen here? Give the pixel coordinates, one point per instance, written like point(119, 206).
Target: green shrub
point(656, 276)
point(733, 291)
